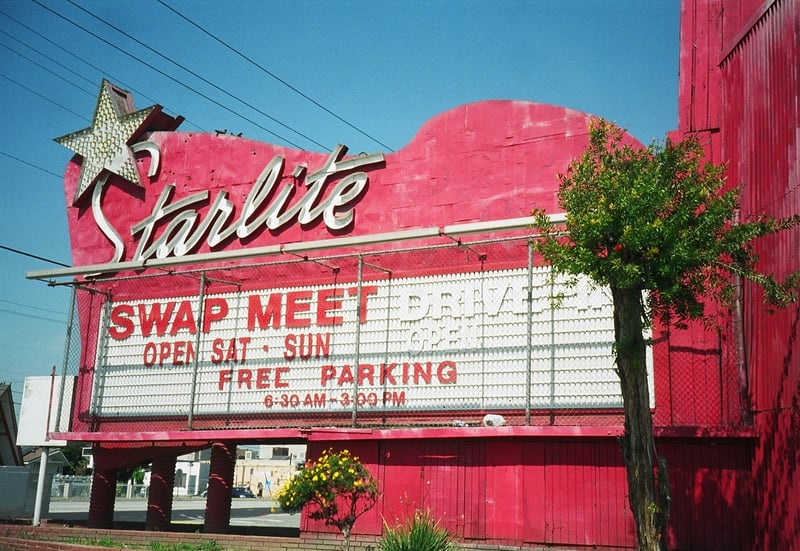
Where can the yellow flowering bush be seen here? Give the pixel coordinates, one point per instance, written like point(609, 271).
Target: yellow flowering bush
point(336, 488)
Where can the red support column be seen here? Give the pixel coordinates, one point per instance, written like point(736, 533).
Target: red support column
point(220, 481)
point(159, 501)
point(101, 502)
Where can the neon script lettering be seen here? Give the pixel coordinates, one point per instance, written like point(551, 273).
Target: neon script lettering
point(177, 228)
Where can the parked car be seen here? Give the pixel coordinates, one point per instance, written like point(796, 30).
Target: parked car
point(239, 491)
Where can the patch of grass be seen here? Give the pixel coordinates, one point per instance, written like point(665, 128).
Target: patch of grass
point(418, 533)
point(105, 541)
point(204, 546)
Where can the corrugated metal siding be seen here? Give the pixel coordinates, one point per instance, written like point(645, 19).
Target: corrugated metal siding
point(761, 134)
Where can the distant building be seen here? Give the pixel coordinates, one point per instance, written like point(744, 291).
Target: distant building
point(265, 470)
point(10, 453)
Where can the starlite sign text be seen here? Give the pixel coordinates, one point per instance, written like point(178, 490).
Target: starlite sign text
point(176, 227)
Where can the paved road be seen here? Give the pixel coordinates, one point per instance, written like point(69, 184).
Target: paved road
point(244, 512)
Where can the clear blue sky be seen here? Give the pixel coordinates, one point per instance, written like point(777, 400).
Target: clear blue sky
point(385, 67)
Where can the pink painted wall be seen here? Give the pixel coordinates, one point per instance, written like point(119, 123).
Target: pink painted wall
point(561, 491)
point(478, 162)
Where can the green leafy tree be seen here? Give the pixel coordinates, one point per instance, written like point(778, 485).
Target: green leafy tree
point(337, 488)
point(78, 465)
point(656, 226)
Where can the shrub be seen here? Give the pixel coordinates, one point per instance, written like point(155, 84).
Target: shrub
point(417, 533)
point(336, 488)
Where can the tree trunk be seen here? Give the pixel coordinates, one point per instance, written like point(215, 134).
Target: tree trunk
point(346, 533)
point(648, 488)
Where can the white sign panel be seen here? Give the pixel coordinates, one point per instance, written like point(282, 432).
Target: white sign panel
point(39, 414)
point(451, 342)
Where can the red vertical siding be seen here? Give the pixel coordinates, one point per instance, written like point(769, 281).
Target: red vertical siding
point(534, 493)
point(446, 477)
point(698, 84)
point(564, 491)
point(585, 498)
point(711, 494)
point(760, 133)
point(695, 373)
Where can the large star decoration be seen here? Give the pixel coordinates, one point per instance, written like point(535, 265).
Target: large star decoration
point(105, 145)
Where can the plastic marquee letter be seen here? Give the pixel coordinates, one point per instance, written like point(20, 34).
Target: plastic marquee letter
point(345, 375)
point(245, 378)
point(215, 310)
point(366, 374)
point(216, 351)
point(266, 316)
point(184, 319)
point(149, 355)
point(446, 373)
point(121, 323)
point(298, 302)
point(328, 373)
point(180, 352)
point(328, 302)
point(164, 352)
point(155, 318)
point(225, 376)
point(262, 377)
point(278, 373)
point(366, 291)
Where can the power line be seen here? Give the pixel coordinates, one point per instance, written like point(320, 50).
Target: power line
point(32, 307)
point(117, 80)
point(23, 56)
point(34, 92)
point(49, 59)
point(273, 75)
point(41, 318)
point(4, 154)
point(31, 255)
point(196, 75)
point(162, 73)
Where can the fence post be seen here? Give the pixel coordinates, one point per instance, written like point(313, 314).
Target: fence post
point(552, 353)
point(529, 337)
point(354, 420)
point(65, 364)
point(100, 365)
point(196, 362)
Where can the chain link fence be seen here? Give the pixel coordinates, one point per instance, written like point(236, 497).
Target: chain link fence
point(448, 333)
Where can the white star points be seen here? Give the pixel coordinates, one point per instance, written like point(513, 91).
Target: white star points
point(105, 145)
